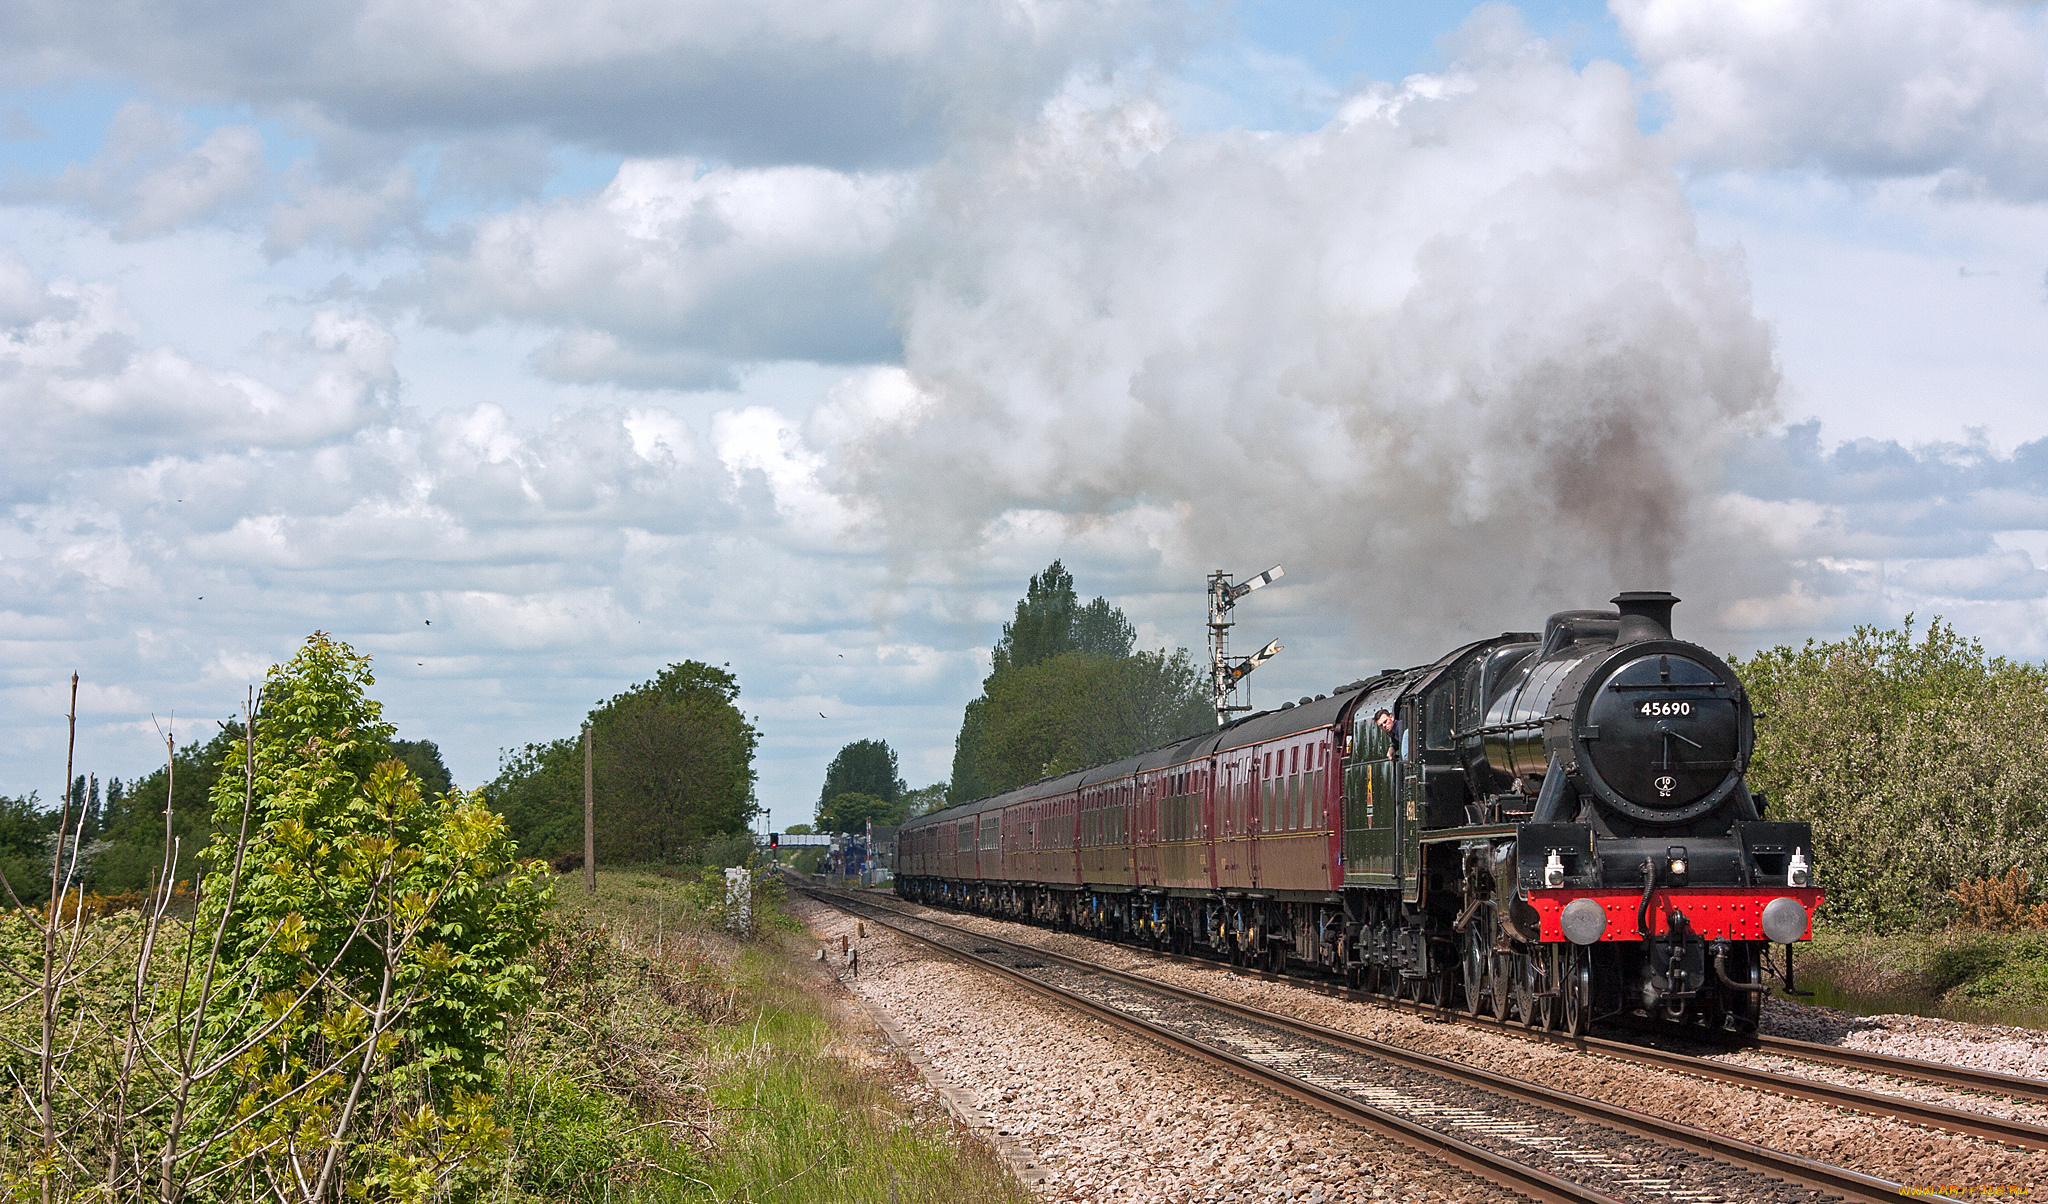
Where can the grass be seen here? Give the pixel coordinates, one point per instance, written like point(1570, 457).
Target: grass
point(1956, 974)
point(671, 1061)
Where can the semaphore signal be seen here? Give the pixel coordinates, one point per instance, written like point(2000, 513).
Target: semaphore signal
point(1226, 672)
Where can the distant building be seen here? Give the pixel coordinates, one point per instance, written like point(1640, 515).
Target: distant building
point(882, 846)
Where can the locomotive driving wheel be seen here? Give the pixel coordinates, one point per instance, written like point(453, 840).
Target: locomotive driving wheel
point(1501, 984)
point(1473, 964)
point(1524, 981)
point(1575, 991)
point(1539, 1007)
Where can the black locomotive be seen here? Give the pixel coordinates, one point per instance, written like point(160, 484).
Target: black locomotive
point(1545, 827)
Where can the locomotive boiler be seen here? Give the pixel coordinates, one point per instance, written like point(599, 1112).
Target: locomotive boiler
point(1547, 827)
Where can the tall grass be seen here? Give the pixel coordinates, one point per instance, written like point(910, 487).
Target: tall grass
point(752, 1083)
point(1961, 974)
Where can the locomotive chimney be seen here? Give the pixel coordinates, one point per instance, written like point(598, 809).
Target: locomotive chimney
point(1645, 615)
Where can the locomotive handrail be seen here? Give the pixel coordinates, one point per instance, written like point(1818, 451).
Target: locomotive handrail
point(1502, 728)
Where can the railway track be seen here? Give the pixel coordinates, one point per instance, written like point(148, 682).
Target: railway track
point(1533, 1140)
point(1654, 1051)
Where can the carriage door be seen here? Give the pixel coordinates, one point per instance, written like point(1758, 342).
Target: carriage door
point(1255, 814)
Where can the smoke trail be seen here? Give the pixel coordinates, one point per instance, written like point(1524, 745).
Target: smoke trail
point(1462, 342)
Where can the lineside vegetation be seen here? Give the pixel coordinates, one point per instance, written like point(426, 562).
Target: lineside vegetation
point(1917, 758)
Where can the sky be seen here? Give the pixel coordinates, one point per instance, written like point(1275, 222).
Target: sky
point(531, 347)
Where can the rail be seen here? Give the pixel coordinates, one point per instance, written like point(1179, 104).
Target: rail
point(1760, 1159)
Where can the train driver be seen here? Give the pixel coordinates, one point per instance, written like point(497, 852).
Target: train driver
point(1397, 732)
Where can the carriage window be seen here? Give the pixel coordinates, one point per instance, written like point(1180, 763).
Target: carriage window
point(1294, 820)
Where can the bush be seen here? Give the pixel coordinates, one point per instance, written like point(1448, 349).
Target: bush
point(328, 1025)
point(338, 832)
point(1916, 761)
point(2000, 904)
point(1964, 958)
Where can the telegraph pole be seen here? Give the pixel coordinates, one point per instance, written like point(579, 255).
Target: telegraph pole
point(589, 821)
point(1225, 671)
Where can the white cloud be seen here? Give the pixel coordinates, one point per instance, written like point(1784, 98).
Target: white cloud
point(846, 82)
point(676, 271)
point(1857, 87)
point(356, 214)
point(146, 181)
point(75, 379)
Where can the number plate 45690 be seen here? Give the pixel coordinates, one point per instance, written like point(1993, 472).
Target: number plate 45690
point(1654, 709)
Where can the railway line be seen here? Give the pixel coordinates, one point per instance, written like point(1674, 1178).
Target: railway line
point(1653, 1049)
point(1535, 1141)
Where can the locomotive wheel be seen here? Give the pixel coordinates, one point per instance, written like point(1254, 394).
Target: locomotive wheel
point(1525, 978)
point(1500, 991)
point(1473, 971)
point(1540, 1009)
point(1474, 964)
point(1747, 1010)
point(1575, 992)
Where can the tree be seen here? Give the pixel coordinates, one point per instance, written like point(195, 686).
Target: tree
point(132, 824)
point(423, 758)
point(674, 762)
point(25, 833)
point(1916, 760)
point(862, 767)
point(339, 829)
point(1079, 709)
point(853, 812)
point(129, 822)
point(1050, 622)
point(924, 800)
point(539, 791)
point(1066, 692)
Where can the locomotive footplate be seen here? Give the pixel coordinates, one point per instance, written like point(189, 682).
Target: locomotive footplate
point(1712, 913)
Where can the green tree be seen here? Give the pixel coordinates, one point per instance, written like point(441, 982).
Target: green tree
point(1916, 760)
point(1050, 622)
point(1080, 709)
point(129, 852)
point(924, 800)
point(132, 824)
point(373, 943)
point(25, 833)
point(423, 758)
point(852, 812)
point(334, 821)
point(674, 764)
point(539, 791)
point(862, 767)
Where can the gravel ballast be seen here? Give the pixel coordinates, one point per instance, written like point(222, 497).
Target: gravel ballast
point(1890, 1149)
point(1109, 1116)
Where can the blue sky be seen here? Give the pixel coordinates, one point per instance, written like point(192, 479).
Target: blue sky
point(797, 336)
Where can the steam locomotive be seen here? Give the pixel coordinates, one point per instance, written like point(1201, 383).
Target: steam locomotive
point(1546, 828)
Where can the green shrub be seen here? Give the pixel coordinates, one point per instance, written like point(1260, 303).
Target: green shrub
point(569, 1142)
point(1962, 959)
point(339, 834)
point(1915, 759)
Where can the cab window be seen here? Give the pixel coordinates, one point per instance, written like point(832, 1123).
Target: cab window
point(1436, 716)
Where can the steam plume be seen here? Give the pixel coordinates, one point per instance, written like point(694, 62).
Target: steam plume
point(1463, 341)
